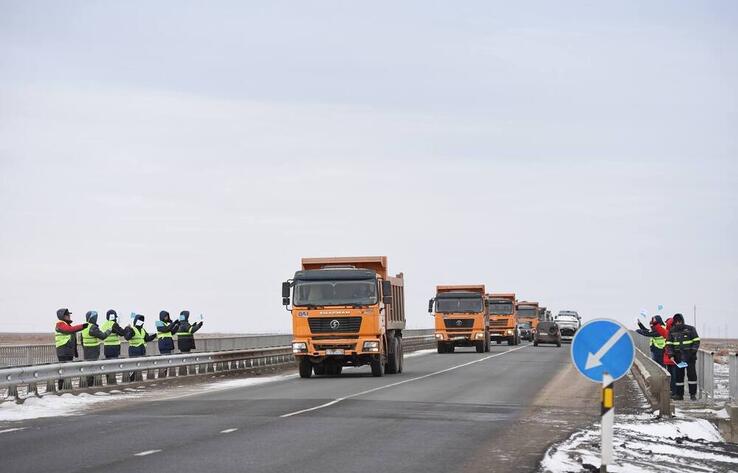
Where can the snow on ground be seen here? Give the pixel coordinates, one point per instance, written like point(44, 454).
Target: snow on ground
point(245, 382)
point(52, 406)
point(644, 444)
point(420, 353)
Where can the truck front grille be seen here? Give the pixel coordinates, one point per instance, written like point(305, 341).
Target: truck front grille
point(459, 323)
point(498, 323)
point(327, 346)
point(334, 324)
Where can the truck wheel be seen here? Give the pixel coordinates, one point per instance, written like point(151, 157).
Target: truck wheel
point(450, 348)
point(393, 357)
point(479, 346)
point(535, 344)
point(402, 355)
point(510, 342)
point(558, 344)
point(306, 368)
point(441, 347)
point(377, 368)
point(499, 341)
point(486, 342)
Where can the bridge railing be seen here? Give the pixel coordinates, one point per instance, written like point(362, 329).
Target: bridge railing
point(653, 378)
point(705, 374)
point(23, 381)
point(25, 355)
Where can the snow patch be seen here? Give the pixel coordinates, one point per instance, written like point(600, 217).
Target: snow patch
point(52, 406)
point(646, 445)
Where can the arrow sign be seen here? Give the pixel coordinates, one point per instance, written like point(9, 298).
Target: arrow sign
point(602, 346)
point(593, 360)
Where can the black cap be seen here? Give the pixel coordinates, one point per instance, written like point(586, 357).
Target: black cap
point(61, 313)
point(678, 318)
point(163, 315)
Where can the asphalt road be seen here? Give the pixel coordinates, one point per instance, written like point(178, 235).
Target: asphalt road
point(465, 411)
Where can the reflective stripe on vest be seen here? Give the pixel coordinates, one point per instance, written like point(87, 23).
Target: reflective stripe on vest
point(188, 333)
point(113, 338)
point(88, 340)
point(61, 338)
point(138, 337)
point(659, 342)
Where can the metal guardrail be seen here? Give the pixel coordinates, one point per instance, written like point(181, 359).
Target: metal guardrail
point(733, 377)
point(705, 374)
point(84, 374)
point(25, 355)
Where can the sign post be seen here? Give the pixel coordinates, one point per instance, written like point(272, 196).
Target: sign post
point(603, 351)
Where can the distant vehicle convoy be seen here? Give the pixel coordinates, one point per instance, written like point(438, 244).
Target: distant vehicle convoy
point(346, 312)
point(461, 318)
point(349, 311)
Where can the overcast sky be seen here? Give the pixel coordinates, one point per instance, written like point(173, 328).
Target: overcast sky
point(171, 155)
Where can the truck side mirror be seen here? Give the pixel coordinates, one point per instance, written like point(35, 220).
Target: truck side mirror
point(286, 293)
point(430, 306)
point(387, 292)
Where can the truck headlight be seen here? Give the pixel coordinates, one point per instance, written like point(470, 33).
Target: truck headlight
point(299, 347)
point(510, 332)
point(371, 346)
point(439, 336)
point(479, 336)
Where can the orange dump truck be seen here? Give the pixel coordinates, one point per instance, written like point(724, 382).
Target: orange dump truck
point(503, 318)
point(527, 317)
point(346, 312)
point(461, 319)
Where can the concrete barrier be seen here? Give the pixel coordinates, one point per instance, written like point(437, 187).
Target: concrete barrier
point(654, 381)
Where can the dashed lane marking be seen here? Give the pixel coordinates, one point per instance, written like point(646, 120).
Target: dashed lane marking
point(145, 452)
point(387, 386)
point(228, 431)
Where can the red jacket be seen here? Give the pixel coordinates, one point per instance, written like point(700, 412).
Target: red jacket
point(664, 332)
point(66, 327)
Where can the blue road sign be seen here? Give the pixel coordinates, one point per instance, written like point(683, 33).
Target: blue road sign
point(602, 346)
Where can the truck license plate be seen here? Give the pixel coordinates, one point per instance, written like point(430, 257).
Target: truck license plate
point(334, 351)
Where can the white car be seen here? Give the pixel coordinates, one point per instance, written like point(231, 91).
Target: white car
point(568, 322)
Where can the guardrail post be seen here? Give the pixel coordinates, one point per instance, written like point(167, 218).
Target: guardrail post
point(150, 374)
point(67, 384)
point(111, 379)
point(13, 392)
point(33, 389)
point(51, 386)
point(733, 377)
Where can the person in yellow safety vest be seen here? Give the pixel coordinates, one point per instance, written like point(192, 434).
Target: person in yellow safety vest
point(137, 337)
point(656, 342)
point(92, 337)
point(165, 330)
point(65, 335)
point(65, 338)
point(111, 345)
point(186, 332)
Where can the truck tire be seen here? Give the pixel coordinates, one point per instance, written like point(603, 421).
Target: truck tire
point(306, 368)
point(377, 368)
point(450, 348)
point(320, 369)
point(402, 355)
point(479, 346)
point(486, 342)
point(393, 357)
point(441, 347)
point(510, 342)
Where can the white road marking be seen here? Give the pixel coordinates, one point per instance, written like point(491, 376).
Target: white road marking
point(228, 431)
point(146, 452)
point(386, 386)
point(12, 430)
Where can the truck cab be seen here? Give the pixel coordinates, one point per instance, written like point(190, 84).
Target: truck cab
point(503, 319)
point(461, 319)
point(346, 312)
point(528, 314)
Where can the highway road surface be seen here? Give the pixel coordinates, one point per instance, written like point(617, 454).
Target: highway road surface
point(464, 411)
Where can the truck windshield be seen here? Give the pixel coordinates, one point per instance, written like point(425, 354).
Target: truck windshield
point(458, 305)
point(527, 312)
point(500, 308)
point(331, 293)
